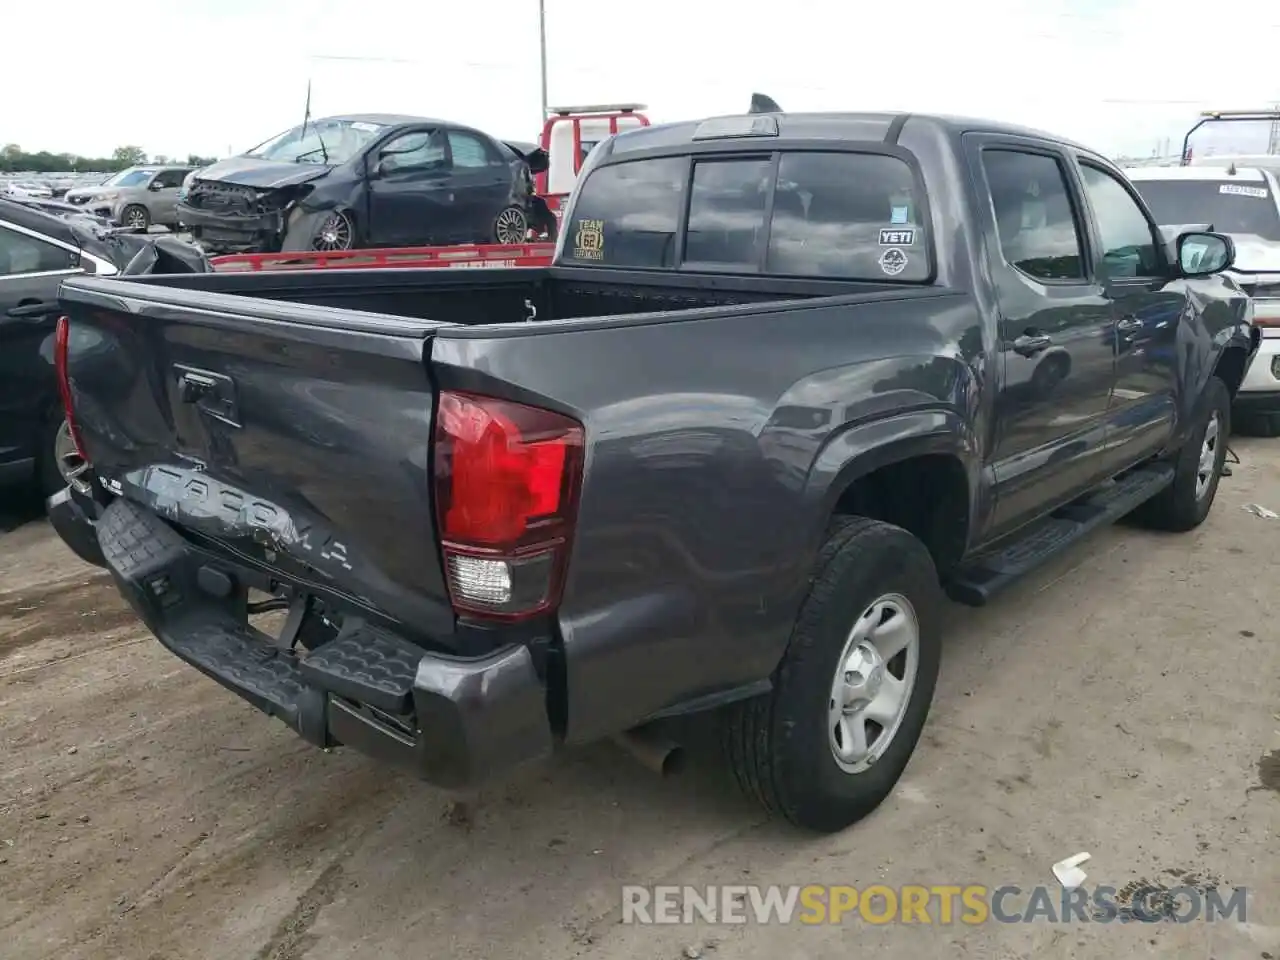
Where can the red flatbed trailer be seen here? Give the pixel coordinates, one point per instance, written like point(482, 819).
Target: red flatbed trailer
point(469, 256)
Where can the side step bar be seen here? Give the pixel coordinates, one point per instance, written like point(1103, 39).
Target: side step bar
point(988, 575)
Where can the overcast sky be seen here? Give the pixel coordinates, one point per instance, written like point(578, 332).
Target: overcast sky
point(1119, 75)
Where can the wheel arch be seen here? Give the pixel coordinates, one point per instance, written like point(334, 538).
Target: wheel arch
point(1231, 366)
point(917, 470)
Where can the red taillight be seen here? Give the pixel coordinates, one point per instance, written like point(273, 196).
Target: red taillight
point(507, 478)
point(61, 338)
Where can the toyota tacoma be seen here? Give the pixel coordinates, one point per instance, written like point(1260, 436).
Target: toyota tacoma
point(779, 394)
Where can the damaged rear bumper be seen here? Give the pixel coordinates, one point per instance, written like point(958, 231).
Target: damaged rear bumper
point(452, 721)
point(73, 517)
point(233, 233)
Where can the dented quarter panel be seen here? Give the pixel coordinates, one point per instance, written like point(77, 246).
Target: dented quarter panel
point(709, 484)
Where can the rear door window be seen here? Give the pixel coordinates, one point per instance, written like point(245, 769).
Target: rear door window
point(1035, 222)
point(845, 216)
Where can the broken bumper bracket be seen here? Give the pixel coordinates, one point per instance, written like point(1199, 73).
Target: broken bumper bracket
point(452, 721)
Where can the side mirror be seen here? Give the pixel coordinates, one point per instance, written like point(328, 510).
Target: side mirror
point(1204, 254)
point(155, 186)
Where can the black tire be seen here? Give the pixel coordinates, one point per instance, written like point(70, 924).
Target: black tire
point(1180, 506)
point(136, 211)
point(779, 745)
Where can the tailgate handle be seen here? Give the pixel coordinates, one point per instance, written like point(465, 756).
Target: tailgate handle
point(212, 393)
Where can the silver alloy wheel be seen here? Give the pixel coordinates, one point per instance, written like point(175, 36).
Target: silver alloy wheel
point(334, 234)
point(1208, 456)
point(71, 465)
point(874, 679)
point(512, 226)
point(136, 218)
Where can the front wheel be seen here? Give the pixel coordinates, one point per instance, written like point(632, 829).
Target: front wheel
point(324, 232)
point(1184, 504)
point(336, 232)
point(854, 688)
point(136, 217)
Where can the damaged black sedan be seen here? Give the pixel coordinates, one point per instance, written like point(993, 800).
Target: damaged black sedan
point(374, 180)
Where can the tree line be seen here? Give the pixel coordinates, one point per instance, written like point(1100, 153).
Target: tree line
point(13, 159)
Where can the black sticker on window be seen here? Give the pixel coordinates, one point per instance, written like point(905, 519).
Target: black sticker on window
point(897, 237)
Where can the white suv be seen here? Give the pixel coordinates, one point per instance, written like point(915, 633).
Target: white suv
point(1244, 203)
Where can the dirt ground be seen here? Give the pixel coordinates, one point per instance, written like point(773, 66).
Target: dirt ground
point(1125, 702)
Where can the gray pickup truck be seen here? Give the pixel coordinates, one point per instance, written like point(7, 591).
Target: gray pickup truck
point(790, 381)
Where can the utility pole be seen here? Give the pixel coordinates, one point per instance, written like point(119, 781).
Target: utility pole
point(542, 43)
point(1273, 141)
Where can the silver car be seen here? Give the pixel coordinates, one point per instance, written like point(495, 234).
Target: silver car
point(135, 197)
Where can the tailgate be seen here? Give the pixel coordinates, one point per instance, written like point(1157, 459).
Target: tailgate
point(294, 436)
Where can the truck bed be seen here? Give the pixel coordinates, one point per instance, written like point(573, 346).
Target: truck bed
point(285, 428)
point(513, 295)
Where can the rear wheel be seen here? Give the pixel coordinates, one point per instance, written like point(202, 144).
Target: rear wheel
point(511, 226)
point(854, 688)
point(60, 462)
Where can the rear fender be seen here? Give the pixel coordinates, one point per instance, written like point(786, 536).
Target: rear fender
point(863, 448)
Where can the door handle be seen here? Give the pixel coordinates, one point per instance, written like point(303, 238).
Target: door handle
point(33, 311)
point(1029, 344)
point(1128, 324)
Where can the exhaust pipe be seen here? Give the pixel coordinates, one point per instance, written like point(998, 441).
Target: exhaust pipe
point(656, 753)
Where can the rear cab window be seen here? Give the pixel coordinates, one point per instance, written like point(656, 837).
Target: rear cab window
point(838, 215)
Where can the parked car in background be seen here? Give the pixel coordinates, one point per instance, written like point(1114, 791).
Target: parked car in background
point(1244, 204)
point(25, 188)
point(59, 187)
point(183, 190)
point(60, 208)
point(723, 456)
point(39, 250)
point(136, 197)
point(368, 180)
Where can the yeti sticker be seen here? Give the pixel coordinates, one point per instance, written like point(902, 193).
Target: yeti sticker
point(893, 261)
point(897, 238)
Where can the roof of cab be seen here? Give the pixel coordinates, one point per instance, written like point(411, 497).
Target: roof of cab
point(829, 126)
